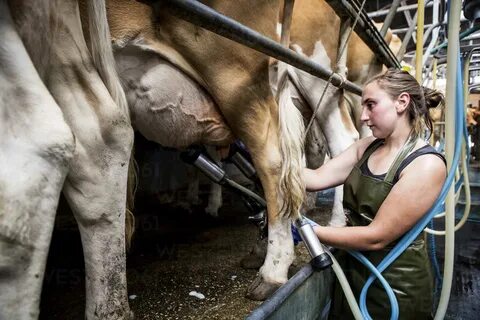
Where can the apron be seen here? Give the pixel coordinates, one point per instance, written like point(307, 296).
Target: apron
point(409, 276)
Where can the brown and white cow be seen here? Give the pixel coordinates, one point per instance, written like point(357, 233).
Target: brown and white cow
point(37, 149)
point(237, 79)
point(315, 34)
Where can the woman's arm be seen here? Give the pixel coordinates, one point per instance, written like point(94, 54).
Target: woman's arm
point(410, 198)
point(335, 171)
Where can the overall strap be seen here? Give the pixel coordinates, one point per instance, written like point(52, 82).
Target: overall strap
point(407, 148)
point(370, 149)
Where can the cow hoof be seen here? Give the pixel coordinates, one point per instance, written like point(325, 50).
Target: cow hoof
point(260, 289)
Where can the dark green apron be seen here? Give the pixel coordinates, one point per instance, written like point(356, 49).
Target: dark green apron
point(409, 276)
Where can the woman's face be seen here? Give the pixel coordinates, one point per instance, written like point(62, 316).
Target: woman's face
point(379, 110)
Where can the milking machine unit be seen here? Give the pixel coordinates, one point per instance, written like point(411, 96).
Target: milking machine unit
point(255, 203)
point(320, 258)
point(199, 158)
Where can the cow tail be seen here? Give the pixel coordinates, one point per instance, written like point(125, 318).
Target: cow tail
point(102, 53)
point(291, 138)
point(104, 61)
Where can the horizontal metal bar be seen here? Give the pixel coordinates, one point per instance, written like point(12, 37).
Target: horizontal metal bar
point(307, 292)
point(403, 30)
point(474, 36)
point(381, 13)
point(366, 30)
point(468, 48)
point(462, 35)
point(205, 17)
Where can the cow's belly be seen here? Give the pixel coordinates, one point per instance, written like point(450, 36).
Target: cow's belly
point(167, 106)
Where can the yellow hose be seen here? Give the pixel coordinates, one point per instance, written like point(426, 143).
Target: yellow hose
point(419, 48)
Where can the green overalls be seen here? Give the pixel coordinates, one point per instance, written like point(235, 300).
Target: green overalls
point(409, 276)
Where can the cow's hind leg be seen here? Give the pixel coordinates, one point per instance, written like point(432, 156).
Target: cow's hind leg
point(258, 129)
point(96, 191)
point(35, 148)
point(96, 185)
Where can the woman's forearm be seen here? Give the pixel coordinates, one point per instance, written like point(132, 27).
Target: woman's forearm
point(312, 182)
point(349, 238)
point(321, 178)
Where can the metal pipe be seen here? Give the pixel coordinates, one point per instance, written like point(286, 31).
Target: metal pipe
point(205, 17)
point(409, 20)
point(268, 308)
point(380, 13)
point(473, 87)
point(403, 30)
point(419, 51)
point(472, 37)
point(462, 36)
point(406, 39)
point(389, 18)
point(436, 30)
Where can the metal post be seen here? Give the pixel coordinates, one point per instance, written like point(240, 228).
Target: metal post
point(406, 39)
point(419, 52)
point(389, 18)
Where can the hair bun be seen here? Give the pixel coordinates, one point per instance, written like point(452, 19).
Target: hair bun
point(433, 98)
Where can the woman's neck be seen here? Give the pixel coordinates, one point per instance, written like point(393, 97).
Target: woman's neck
point(399, 137)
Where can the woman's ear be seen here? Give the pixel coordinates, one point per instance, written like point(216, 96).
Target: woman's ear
point(403, 101)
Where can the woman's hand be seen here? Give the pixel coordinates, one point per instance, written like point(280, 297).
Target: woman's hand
point(410, 198)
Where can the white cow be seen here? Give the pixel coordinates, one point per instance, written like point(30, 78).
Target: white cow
point(37, 147)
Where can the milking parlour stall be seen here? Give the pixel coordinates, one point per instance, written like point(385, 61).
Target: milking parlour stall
point(157, 159)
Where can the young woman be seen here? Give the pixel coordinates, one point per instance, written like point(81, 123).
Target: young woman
point(390, 181)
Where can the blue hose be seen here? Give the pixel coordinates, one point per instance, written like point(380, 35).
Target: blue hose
point(433, 257)
point(418, 228)
point(391, 295)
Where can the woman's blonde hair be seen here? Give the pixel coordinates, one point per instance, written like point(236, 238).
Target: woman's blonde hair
point(394, 82)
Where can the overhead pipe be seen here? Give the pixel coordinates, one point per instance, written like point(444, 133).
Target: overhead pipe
point(472, 37)
point(462, 36)
point(430, 26)
point(406, 39)
point(409, 20)
point(389, 18)
point(381, 13)
point(205, 17)
point(435, 28)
